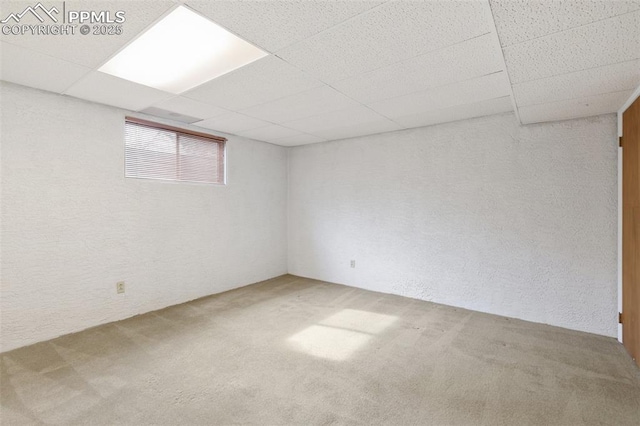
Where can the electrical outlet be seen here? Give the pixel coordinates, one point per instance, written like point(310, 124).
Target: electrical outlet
point(120, 287)
point(353, 263)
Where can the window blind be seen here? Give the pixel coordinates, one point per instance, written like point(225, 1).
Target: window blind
point(163, 152)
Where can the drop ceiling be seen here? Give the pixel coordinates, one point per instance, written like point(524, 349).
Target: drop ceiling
point(340, 69)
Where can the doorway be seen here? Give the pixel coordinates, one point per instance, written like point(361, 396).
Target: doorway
point(631, 229)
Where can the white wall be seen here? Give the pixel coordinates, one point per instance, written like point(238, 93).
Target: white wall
point(72, 225)
point(482, 214)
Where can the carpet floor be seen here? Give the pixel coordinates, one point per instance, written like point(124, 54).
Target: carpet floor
point(298, 351)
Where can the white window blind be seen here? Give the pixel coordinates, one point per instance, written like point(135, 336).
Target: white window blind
point(155, 151)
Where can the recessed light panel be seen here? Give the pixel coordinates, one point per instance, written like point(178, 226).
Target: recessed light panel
point(181, 51)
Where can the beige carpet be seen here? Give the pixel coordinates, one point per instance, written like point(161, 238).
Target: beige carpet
point(298, 351)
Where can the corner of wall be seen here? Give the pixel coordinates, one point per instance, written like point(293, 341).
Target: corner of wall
point(288, 195)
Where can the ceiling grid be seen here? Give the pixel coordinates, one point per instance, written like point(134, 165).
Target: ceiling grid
point(340, 69)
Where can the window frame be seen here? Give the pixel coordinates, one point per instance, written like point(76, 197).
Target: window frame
point(220, 140)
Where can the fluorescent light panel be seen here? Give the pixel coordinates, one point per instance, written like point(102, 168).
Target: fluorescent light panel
point(181, 51)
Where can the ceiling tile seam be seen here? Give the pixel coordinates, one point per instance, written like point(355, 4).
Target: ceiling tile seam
point(498, 45)
point(270, 123)
point(193, 9)
point(328, 84)
point(578, 98)
point(565, 116)
point(306, 74)
point(241, 111)
point(87, 75)
point(356, 101)
point(459, 119)
point(63, 92)
point(429, 89)
point(315, 136)
point(372, 110)
point(30, 49)
point(164, 100)
point(302, 134)
point(360, 136)
point(226, 132)
point(337, 111)
point(209, 117)
point(394, 97)
point(347, 96)
point(332, 26)
point(300, 131)
point(285, 123)
point(577, 71)
point(571, 28)
point(251, 139)
point(279, 140)
point(314, 115)
point(261, 140)
point(455, 106)
point(347, 126)
point(398, 96)
point(400, 60)
point(411, 58)
point(224, 110)
point(311, 134)
point(89, 70)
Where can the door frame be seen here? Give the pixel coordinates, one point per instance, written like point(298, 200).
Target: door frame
point(635, 95)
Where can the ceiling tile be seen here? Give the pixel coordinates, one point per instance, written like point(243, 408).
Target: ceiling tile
point(33, 69)
point(389, 33)
point(579, 84)
point(301, 139)
point(269, 133)
point(110, 90)
point(191, 107)
point(273, 25)
point(605, 42)
point(574, 108)
point(337, 119)
point(459, 112)
point(465, 92)
point(358, 129)
point(522, 20)
point(305, 104)
point(261, 81)
point(462, 61)
point(232, 122)
point(89, 50)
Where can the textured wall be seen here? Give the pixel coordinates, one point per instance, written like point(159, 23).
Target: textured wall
point(482, 214)
point(72, 225)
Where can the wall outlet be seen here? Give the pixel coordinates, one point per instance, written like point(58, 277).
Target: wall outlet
point(353, 263)
point(120, 287)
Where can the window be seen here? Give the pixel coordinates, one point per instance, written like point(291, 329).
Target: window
point(156, 151)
